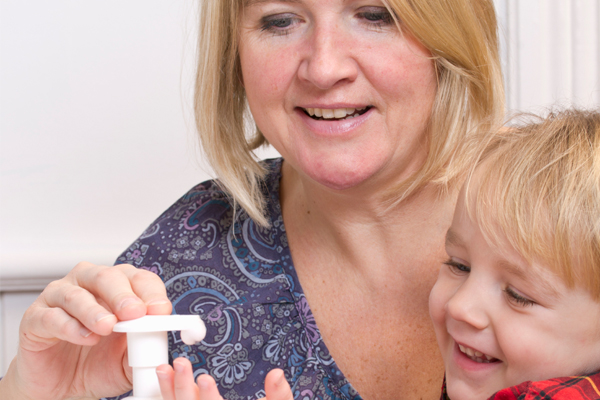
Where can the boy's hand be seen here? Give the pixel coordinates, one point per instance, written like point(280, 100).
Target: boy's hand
point(178, 384)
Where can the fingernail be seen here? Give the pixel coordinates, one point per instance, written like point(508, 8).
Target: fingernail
point(161, 374)
point(202, 383)
point(178, 367)
point(158, 302)
point(129, 302)
point(85, 332)
point(103, 315)
point(281, 379)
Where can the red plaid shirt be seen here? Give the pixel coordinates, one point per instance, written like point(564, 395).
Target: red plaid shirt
point(567, 388)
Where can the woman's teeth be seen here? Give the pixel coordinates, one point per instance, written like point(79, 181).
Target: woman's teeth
point(337, 113)
point(476, 356)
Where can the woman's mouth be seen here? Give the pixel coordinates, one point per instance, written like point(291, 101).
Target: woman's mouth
point(335, 114)
point(477, 356)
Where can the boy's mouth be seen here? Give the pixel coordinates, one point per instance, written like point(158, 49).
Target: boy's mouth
point(476, 356)
point(336, 114)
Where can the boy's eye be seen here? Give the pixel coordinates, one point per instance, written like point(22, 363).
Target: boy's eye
point(517, 298)
point(457, 267)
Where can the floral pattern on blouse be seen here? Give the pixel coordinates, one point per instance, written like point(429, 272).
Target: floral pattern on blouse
point(241, 280)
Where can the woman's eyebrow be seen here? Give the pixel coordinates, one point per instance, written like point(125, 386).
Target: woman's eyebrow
point(253, 2)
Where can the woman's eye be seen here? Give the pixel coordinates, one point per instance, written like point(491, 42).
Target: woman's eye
point(278, 24)
point(517, 298)
point(378, 16)
point(457, 267)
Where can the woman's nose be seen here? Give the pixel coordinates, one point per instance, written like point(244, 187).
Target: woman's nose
point(328, 59)
point(468, 305)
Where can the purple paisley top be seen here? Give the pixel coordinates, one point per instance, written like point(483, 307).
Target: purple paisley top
point(241, 280)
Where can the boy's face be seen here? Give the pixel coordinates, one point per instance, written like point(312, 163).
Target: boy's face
point(500, 321)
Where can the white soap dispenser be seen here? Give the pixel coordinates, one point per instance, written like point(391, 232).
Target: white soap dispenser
point(148, 347)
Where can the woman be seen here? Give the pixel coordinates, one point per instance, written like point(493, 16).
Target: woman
point(367, 102)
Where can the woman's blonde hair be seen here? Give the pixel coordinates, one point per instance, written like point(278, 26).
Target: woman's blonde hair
point(537, 187)
point(460, 34)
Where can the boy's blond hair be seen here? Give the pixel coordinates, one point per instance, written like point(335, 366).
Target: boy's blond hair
point(460, 34)
point(538, 187)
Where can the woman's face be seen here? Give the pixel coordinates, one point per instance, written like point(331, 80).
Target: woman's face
point(336, 88)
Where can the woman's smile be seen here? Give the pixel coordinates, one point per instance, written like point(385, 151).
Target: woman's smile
point(338, 89)
point(334, 122)
point(335, 114)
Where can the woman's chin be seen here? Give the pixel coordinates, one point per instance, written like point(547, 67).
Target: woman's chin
point(340, 179)
point(341, 168)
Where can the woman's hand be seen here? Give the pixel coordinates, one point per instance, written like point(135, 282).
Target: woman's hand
point(66, 345)
point(177, 383)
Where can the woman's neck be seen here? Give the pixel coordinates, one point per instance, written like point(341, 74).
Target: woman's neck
point(356, 224)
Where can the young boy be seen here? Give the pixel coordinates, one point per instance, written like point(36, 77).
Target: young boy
point(518, 299)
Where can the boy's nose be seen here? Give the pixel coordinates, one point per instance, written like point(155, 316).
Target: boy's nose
point(328, 59)
point(468, 305)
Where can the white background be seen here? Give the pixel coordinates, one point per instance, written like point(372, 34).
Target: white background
point(97, 133)
point(96, 124)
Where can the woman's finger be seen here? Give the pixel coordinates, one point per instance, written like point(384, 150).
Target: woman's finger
point(79, 303)
point(128, 292)
point(89, 301)
point(149, 288)
point(113, 286)
point(41, 327)
point(277, 387)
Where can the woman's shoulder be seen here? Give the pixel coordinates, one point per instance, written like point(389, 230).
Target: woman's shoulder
point(204, 210)
point(213, 187)
point(586, 387)
point(209, 198)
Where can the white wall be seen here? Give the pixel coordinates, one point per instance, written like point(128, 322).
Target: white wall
point(550, 52)
point(96, 128)
point(96, 131)
point(96, 135)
